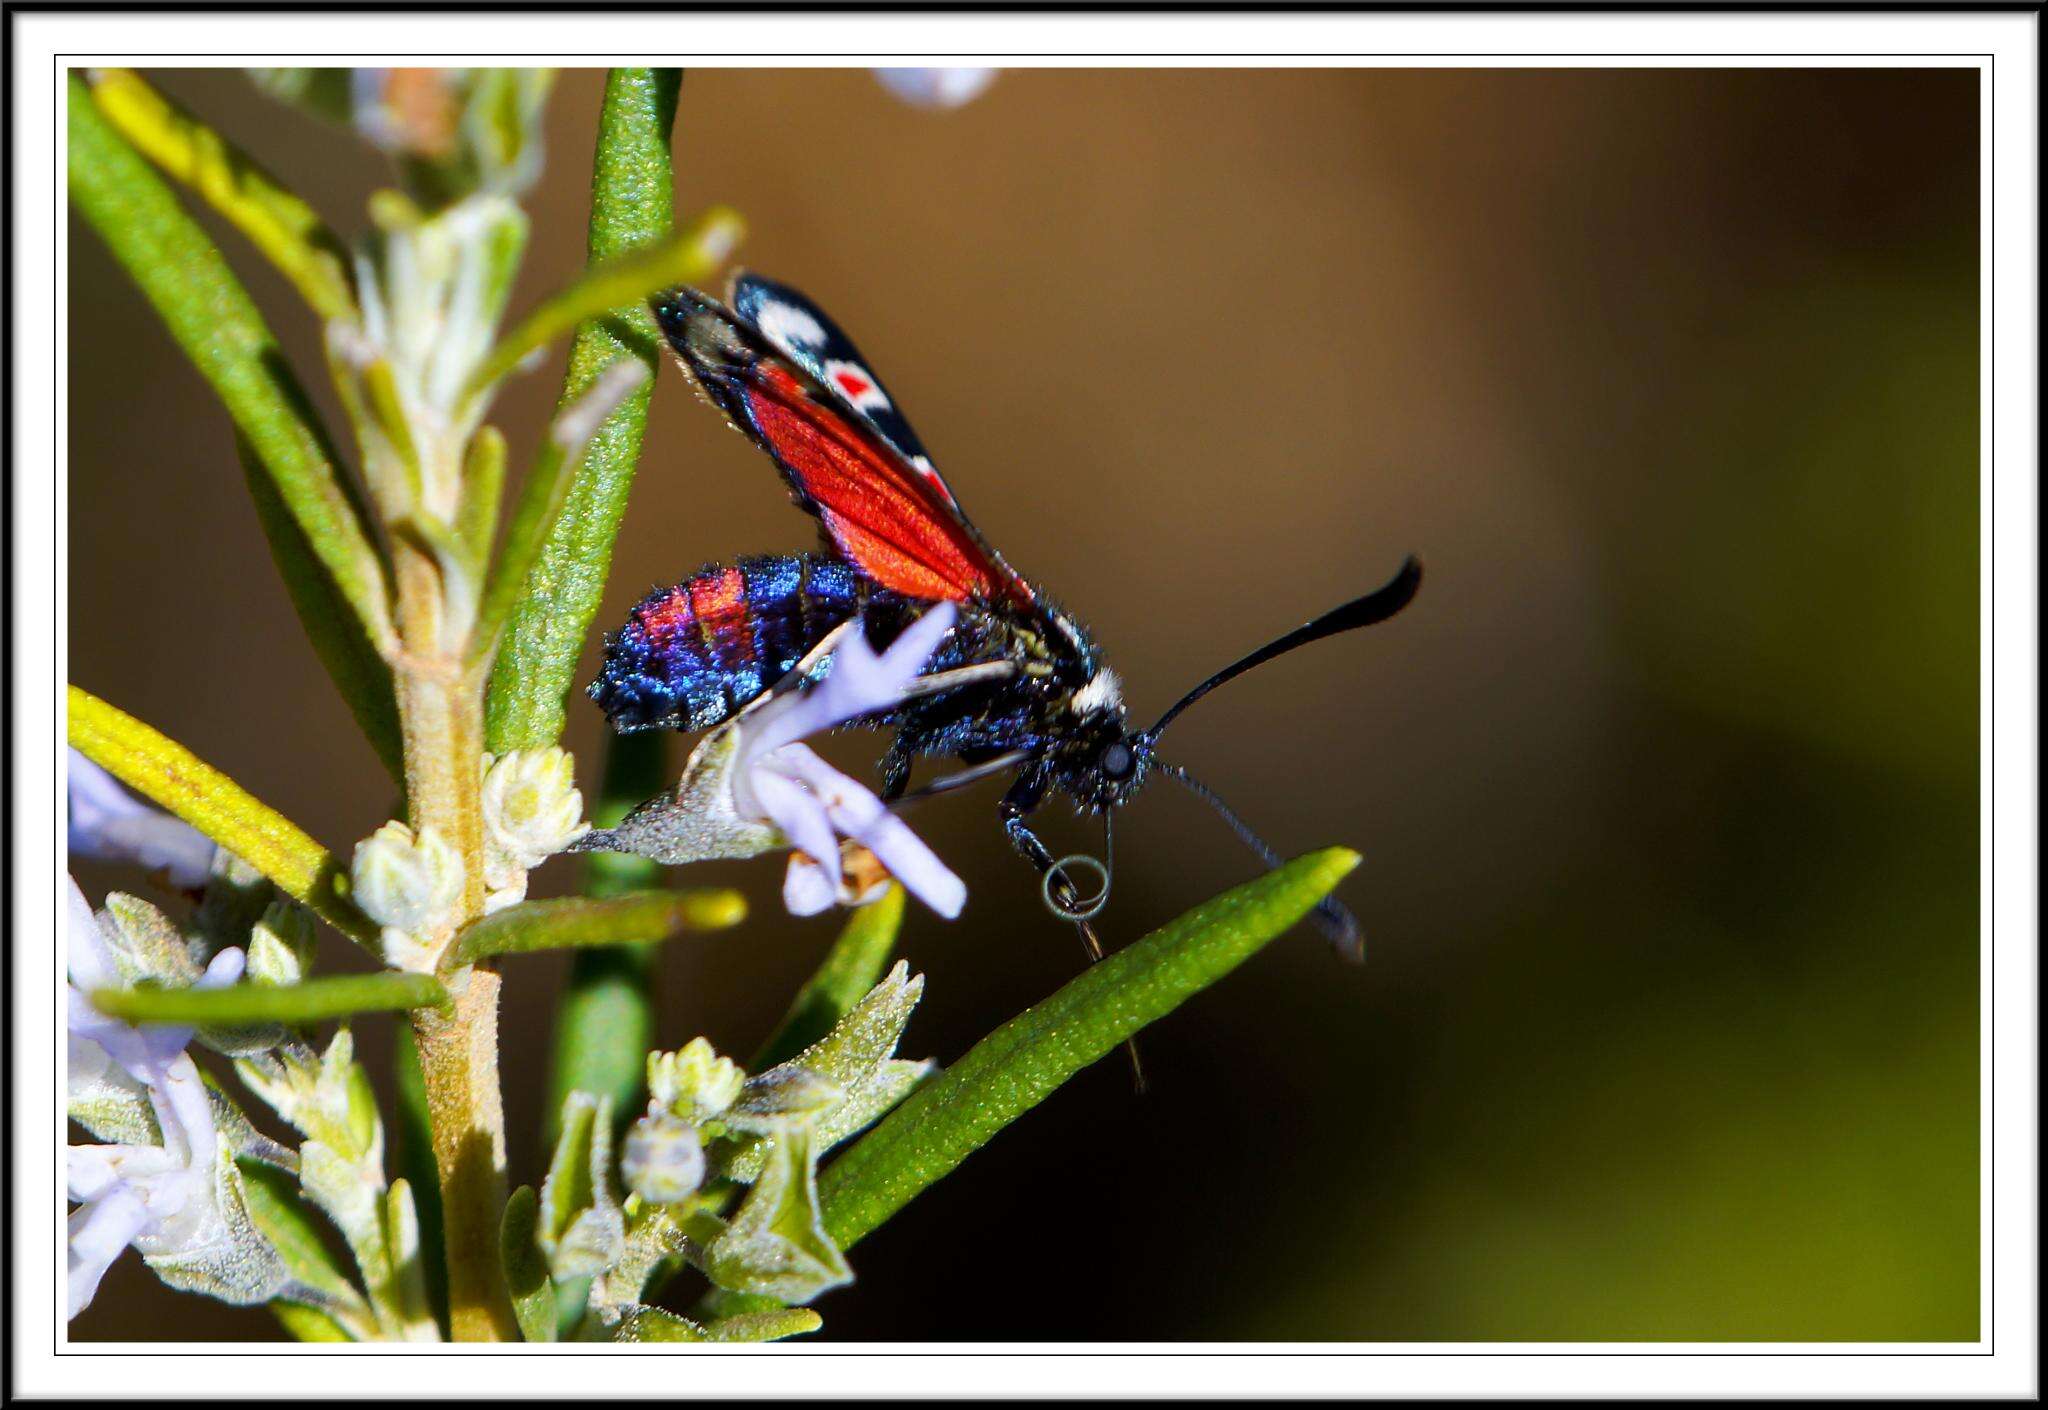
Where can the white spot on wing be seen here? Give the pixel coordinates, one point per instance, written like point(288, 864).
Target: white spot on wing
point(787, 326)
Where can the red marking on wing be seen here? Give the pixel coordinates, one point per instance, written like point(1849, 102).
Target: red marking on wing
point(931, 478)
point(884, 515)
point(720, 602)
point(852, 383)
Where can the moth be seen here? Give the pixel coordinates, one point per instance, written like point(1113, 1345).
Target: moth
point(1018, 688)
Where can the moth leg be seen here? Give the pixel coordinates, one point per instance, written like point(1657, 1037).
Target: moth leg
point(959, 676)
point(1000, 763)
point(1023, 796)
point(895, 770)
point(1060, 889)
point(1027, 844)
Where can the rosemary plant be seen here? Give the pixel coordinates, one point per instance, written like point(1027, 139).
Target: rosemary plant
point(451, 626)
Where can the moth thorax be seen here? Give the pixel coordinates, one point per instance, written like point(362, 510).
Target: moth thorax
point(711, 339)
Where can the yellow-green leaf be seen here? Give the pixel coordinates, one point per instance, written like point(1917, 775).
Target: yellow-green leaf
point(177, 780)
point(289, 232)
point(576, 921)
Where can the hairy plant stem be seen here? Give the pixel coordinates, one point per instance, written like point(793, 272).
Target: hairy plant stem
point(458, 1049)
point(440, 705)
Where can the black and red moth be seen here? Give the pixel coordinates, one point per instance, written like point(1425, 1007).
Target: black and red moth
point(1037, 703)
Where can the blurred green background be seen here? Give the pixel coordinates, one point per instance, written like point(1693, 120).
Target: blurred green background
point(1667, 785)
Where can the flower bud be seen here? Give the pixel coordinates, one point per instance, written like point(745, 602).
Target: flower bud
point(146, 948)
point(695, 1084)
point(405, 882)
point(663, 1158)
point(509, 893)
point(532, 809)
point(281, 946)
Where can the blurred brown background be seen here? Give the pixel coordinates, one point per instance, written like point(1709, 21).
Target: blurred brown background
point(1666, 785)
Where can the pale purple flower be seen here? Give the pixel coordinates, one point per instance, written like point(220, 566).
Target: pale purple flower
point(936, 88)
point(143, 1051)
point(782, 781)
point(751, 785)
point(110, 824)
point(159, 1199)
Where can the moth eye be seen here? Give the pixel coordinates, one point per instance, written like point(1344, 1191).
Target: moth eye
point(1116, 761)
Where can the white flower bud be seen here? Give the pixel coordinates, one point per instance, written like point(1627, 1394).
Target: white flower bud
point(401, 950)
point(281, 946)
point(695, 1084)
point(532, 809)
point(404, 882)
point(505, 893)
point(663, 1158)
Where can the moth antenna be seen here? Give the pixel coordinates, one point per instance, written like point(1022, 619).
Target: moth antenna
point(1332, 918)
point(1375, 606)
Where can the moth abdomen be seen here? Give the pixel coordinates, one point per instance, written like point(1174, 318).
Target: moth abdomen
point(691, 656)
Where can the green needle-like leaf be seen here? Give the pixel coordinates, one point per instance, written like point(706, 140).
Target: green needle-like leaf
point(287, 230)
point(850, 970)
point(415, 1156)
point(361, 675)
point(604, 1020)
point(483, 485)
point(604, 1027)
point(334, 996)
point(1020, 1064)
point(211, 317)
point(686, 258)
point(575, 921)
point(580, 1225)
point(635, 769)
point(541, 501)
point(526, 1267)
point(630, 208)
point(283, 1218)
point(177, 780)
